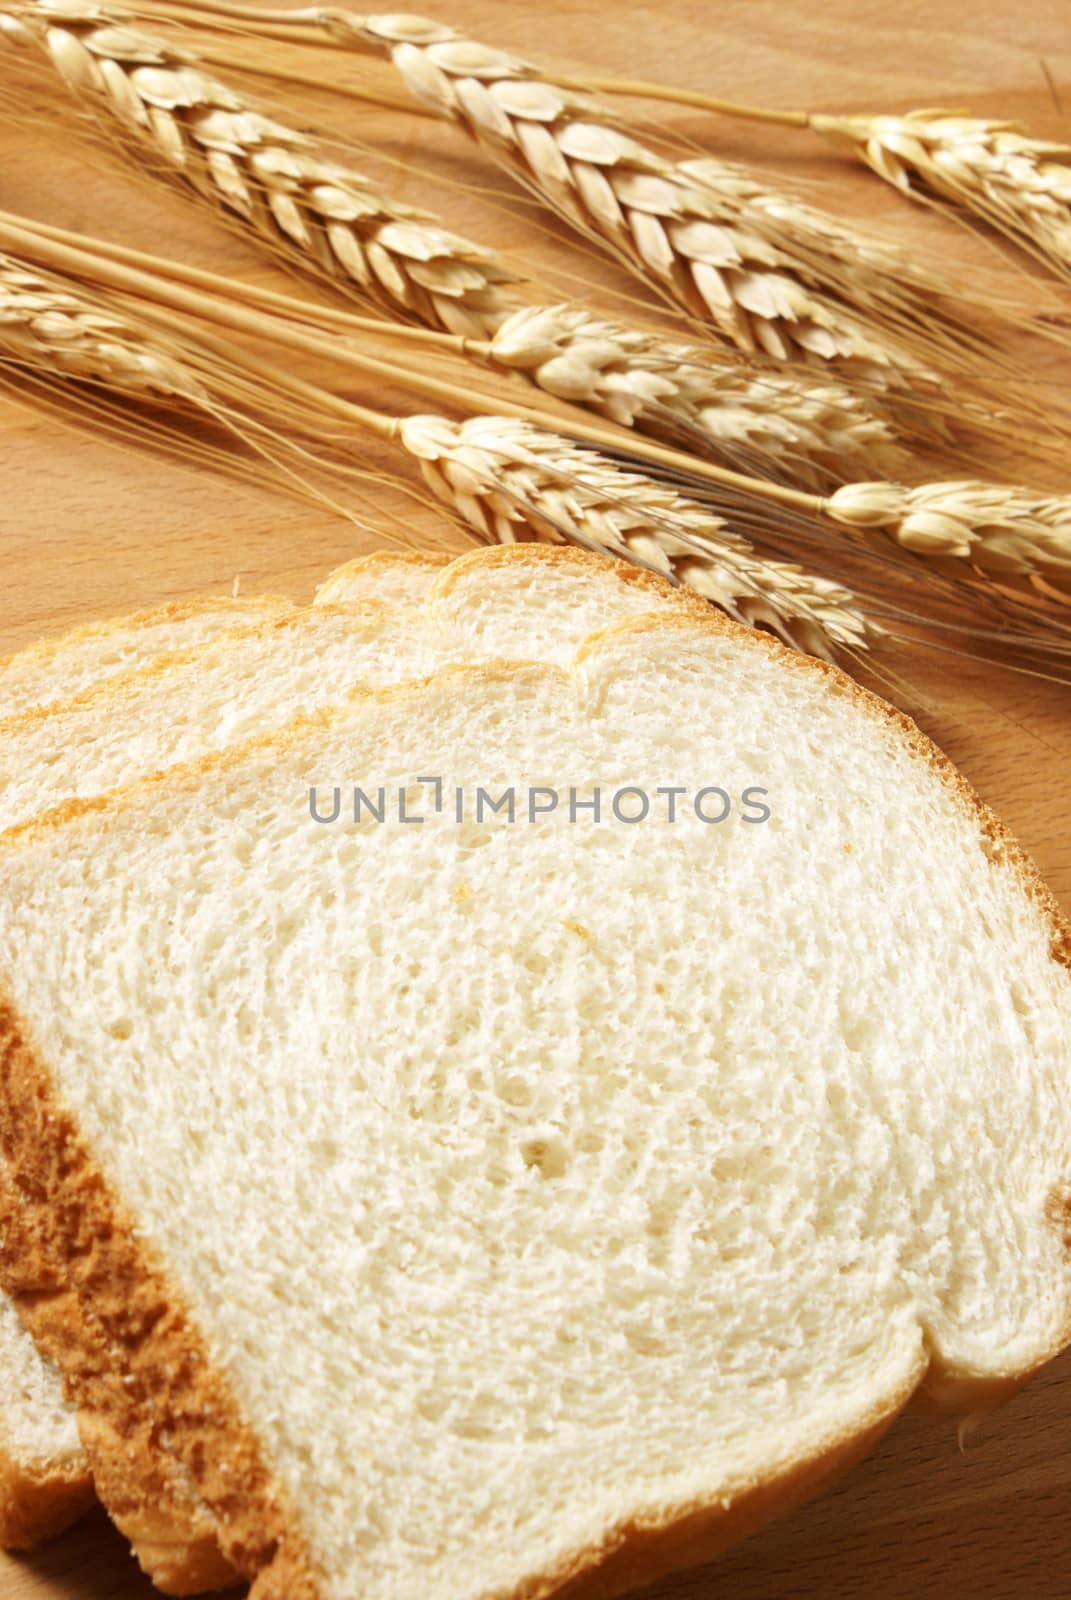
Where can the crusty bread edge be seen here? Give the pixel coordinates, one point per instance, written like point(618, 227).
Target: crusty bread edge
point(635, 1553)
point(170, 1530)
point(163, 1519)
point(41, 651)
point(70, 1215)
point(515, 557)
point(70, 1200)
point(103, 695)
point(39, 1496)
point(40, 1499)
point(453, 569)
point(431, 560)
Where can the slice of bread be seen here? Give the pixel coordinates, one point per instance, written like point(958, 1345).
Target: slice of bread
point(528, 602)
point(55, 669)
point(45, 1482)
point(497, 1208)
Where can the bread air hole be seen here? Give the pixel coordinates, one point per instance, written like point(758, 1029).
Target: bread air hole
point(549, 1155)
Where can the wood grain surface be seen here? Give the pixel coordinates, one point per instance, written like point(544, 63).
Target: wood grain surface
point(88, 529)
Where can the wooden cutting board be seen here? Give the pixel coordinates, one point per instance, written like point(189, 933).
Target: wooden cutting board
point(87, 529)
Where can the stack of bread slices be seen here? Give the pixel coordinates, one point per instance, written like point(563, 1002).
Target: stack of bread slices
point(404, 1195)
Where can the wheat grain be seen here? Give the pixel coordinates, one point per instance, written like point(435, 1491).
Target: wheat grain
point(332, 220)
point(1002, 531)
point(509, 480)
point(45, 326)
point(1020, 185)
point(769, 274)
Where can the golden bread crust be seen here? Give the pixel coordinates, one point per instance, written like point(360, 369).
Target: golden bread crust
point(39, 1502)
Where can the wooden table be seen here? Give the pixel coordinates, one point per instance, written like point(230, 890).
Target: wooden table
point(88, 530)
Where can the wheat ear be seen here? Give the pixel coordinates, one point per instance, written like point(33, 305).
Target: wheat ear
point(46, 327)
point(333, 221)
point(809, 430)
point(992, 168)
point(509, 480)
point(1002, 531)
point(1020, 185)
point(769, 274)
point(322, 215)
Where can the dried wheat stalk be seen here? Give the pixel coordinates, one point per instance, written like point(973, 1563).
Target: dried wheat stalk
point(505, 471)
point(333, 221)
point(996, 529)
point(57, 335)
point(999, 531)
point(1002, 531)
point(1020, 185)
point(43, 325)
point(508, 479)
point(807, 429)
point(770, 274)
point(320, 214)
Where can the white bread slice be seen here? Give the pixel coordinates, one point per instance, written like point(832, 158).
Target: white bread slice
point(56, 668)
point(45, 1482)
point(493, 1208)
point(401, 577)
point(188, 703)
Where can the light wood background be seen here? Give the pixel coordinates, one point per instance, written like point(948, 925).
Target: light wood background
point(87, 529)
